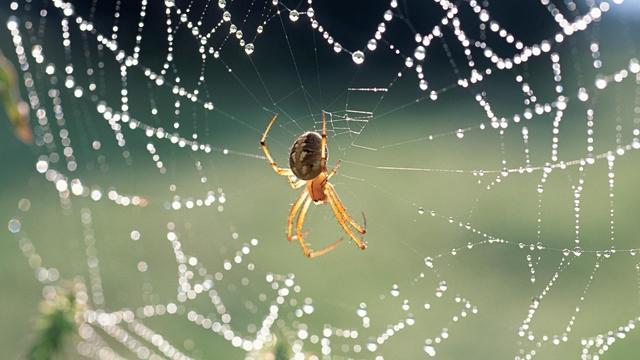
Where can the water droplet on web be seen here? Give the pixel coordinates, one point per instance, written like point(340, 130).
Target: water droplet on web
point(420, 53)
point(372, 44)
point(430, 350)
point(337, 47)
point(577, 251)
point(294, 15)
point(421, 210)
point(408, 62)
point(358, 57)
point(142, 266)
point(395, 290)
point(428, 261)
point(24, 204)
point(14, 225)
point(249, 48)
point(222, 3)
point(601, 82)
point(388, 15)
point(460, 133)
point(423, 85)
point(310, 12)
point(226, 16)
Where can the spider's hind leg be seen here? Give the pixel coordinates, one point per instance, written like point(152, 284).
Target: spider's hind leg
point(308, 252)
point(333, 196)
point(344, 219)
point(294, 211)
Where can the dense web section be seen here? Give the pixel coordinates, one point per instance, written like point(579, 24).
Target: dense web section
point(159, 82)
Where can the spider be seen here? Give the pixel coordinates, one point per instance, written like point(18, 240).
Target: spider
point(308, 167)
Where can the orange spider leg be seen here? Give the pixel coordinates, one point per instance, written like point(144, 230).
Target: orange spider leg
point(323, 143)
point(340, 216)
point(334, 170)
point(265, 149)
point(308, 252)
point(333, 195)
point(293, 181)
point(294, 211)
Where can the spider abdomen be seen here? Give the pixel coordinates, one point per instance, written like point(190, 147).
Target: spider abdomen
point(305, 157)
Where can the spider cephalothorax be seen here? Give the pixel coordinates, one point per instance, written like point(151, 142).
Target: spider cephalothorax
point(308, 162)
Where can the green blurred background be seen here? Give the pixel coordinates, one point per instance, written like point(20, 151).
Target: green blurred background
point(495, 278)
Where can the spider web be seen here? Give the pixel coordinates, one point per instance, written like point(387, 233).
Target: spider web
point(488, 234)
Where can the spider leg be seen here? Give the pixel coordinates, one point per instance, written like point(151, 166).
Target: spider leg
point(334, 170)
point(293, 181)
point(323, 143)
point(343, 222)
point(294, 211)
point(333, 195)
point(308, 252)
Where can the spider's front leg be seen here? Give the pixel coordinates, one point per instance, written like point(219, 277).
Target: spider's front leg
point(267, 154)
point(293, 180)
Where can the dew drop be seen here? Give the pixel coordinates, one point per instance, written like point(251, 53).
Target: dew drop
point(337, 48)
point(634, 65)
point(135, 235)
point(395, 290)
point(430, 350)
point(577, 251)
point(222, 3)
point(372, 44)
point(423, 85)
point(420, 53)
point(294, 15)
point(142, 266)
point(226, 16)
point(408, 62)
point(421, 210)
point(601, 82)
point(249, 48)
point(358, 57)
point(24, 204)
point(14, 225)
point(428, 261)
